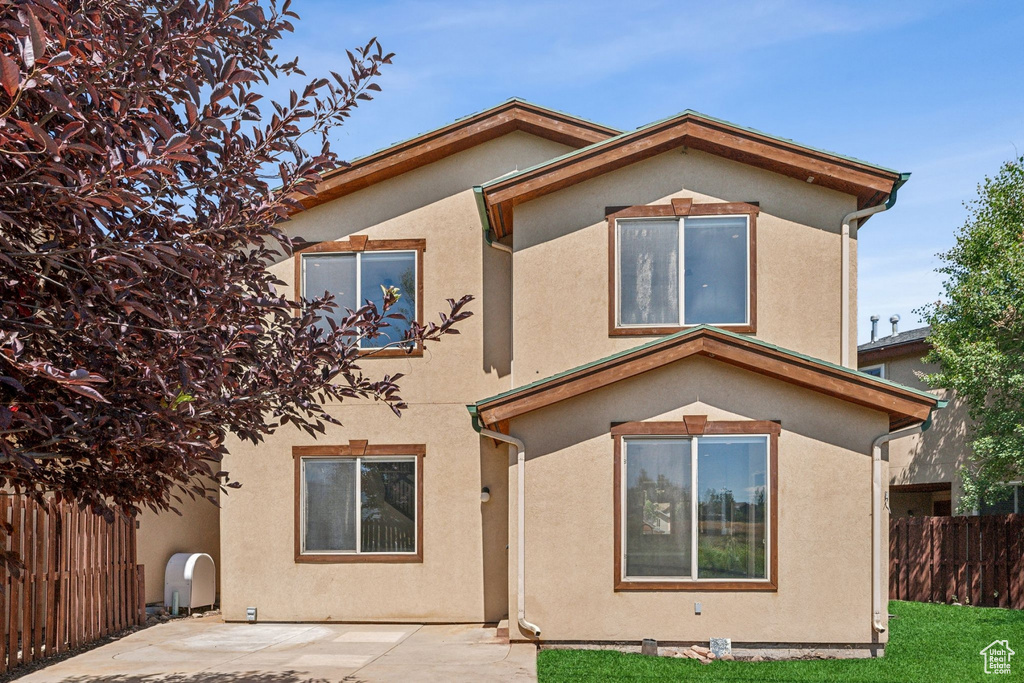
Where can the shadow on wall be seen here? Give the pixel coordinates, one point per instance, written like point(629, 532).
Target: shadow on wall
point(496, 308)
point(208, 677)
point(938, 454)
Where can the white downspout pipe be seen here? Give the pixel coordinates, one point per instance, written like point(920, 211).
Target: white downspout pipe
point(845, 357)
point(520, 526)
point(877, 571)
point(844, 326)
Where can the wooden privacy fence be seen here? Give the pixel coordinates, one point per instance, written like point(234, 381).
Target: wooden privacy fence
point(972, 560)
point(80, 582)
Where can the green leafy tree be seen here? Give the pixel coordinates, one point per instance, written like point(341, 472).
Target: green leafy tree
point(978, 332)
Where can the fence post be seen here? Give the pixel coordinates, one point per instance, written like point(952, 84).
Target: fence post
point(141, 614)
point(5, 585)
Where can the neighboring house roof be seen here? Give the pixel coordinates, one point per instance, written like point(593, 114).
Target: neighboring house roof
point(401, 157)
point(871, 184)
point(904, 405)
point(904, 343)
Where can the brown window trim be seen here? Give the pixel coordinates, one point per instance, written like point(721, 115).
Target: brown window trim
point(357, 243)
point(352, 450)
point(679, 208)
point(697, 425)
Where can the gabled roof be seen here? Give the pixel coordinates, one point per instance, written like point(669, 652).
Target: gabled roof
point(870, 183)
point(401, 157)
point(904, 405)
point(911, 341)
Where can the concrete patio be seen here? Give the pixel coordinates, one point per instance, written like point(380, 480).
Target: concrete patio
point(207, 650)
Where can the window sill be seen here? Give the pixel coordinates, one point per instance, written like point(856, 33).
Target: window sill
point(662, 331)
point(356, 558)
point(391, 353)
point(763, 586)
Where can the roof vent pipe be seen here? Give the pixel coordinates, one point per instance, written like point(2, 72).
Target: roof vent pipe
point(874, 327)
point(895, 320)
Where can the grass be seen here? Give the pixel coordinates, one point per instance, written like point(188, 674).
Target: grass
point(927, 643)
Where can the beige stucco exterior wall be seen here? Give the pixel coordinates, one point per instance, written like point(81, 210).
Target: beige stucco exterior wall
point(824, 507)
point(463, 574)
point(934, 456)
point(160, 535)
point(561, 258)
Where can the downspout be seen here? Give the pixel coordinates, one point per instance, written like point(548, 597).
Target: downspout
point(844, 323)
point(877, 622)
point(520, 519)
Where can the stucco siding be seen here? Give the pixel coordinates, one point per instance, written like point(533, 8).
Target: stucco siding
point(463, 574)
point(561, 258)
point(160, 535)
point(824, 508)
point(936, 455)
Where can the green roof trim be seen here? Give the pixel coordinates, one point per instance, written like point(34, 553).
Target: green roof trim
point(853, 374)
point(481, 207)
point(697, 114)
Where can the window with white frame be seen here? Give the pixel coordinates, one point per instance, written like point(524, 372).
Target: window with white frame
point(695, 508)
point(674, 272)
point(359, 505)
point(876, 370)
point(354, 277)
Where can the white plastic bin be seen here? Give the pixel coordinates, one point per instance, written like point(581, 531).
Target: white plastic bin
point(194, 577)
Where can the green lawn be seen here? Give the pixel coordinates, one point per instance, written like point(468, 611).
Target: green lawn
point(927, 643)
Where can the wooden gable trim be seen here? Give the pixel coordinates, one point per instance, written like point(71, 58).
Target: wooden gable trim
point(457, 137)
point(870, 185)
point(903, 407)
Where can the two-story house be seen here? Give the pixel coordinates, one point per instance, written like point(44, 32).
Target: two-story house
point(651, 427)
point(924, 469)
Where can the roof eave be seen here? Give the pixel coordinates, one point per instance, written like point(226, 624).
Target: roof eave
point(871, 184)
point(903, 404)
point(401, 157)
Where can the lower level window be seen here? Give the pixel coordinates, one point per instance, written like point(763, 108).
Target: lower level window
point(695, 508)
point(359, 505)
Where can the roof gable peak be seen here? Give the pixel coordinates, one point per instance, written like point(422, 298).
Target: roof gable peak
point(870, 183)
point(514, 114)
point(904, 405)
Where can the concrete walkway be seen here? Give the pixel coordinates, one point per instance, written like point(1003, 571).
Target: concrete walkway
point(207, 650)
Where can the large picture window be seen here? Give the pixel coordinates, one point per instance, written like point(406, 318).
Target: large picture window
point(354, 506)
point(695, 509)
point(671, 272)
point(356, 272)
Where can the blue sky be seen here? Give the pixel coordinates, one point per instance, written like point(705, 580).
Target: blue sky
point(933, 88)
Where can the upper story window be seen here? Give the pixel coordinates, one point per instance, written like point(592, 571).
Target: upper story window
point(675, 271)
point(355, 271)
